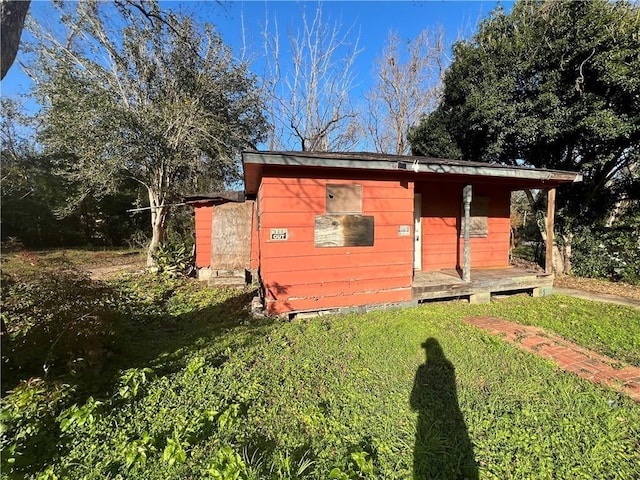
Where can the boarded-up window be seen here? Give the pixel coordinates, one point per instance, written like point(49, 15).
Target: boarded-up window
point(479, 218)
point(344, 198)
point(344, 231)
point(231, 236)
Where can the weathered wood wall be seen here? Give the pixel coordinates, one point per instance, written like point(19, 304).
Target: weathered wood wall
point(231, 236)
point(297, 275)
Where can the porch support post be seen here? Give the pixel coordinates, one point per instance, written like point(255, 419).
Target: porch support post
point(551, 209)
point(467, 195)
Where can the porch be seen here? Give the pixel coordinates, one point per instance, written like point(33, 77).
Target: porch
point(484, 282)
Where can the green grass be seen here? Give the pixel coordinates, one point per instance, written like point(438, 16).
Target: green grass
point(611, 330)
point(191, 387)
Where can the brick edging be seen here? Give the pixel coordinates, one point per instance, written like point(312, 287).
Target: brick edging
point(567, 355)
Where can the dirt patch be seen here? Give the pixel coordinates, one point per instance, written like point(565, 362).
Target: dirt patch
point(106, 264)
point(598, 286)
point(110, 259)
point(105, 272)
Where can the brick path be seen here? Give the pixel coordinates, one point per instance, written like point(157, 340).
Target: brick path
point(567, 355)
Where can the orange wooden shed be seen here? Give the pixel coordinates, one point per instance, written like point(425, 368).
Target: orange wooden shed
point(336, 231)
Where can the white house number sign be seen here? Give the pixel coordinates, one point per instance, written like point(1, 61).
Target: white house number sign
point(404, 230)
point(279, 234)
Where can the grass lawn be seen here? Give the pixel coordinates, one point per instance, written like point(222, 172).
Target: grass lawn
point(611, 330)
point(189, 386)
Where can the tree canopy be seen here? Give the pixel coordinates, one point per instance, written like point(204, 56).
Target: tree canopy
point(549, 85)
point(136, 92)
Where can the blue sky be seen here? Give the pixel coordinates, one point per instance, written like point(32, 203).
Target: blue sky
point(371, 19)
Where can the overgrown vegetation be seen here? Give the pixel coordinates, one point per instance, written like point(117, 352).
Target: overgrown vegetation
point(35, 210)
point(190, 385)
point(549, 85)
point(612, 253)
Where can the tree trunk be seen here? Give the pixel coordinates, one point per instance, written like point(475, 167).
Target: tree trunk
point(12, 16)
point(561, 258)
point(158, 225)
point(562, 255)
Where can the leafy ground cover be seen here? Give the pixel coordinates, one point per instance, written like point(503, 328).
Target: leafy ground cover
point(180, 382)
point(598, 285)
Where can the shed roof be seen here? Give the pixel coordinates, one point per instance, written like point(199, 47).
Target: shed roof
point(215, 198)
point(413, 166)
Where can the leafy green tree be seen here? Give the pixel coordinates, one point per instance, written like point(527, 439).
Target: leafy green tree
point(549, 85)
point(34, 198)
point(134, 92)
point(30, 191)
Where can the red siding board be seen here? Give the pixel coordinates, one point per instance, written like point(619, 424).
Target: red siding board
point(303, 277)
point(337, 274)
point(442, 246)
point(329, 302)
point(271, 265)
point(278, 291)
point(203, 221)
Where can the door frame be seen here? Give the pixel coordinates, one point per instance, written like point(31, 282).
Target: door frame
point(417, 231)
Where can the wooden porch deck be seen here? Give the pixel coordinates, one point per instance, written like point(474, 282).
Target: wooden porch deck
point(448, 283)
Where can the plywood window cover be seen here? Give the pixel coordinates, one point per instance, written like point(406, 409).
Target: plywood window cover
point(344, 199)
point(344, 231)
point(479, 221)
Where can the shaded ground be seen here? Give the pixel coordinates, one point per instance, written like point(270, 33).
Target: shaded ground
point(99, 264)
point(106, 264)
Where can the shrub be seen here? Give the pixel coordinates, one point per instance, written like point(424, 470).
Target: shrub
point(612, 253)
point(174, 258)
point(12, 244)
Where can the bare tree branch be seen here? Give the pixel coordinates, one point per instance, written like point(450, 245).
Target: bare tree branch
point(408, 82)
point(309, 99)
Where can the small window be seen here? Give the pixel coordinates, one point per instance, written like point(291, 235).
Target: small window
point(479, 218)
point(344, 198)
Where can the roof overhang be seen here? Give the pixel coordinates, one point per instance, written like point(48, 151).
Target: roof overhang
point(415, 167)
point(214, 198)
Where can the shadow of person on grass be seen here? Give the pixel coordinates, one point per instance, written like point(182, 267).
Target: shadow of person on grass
point(442, 448)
